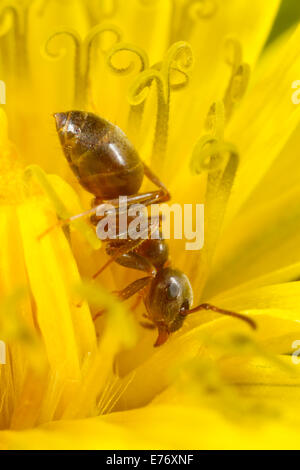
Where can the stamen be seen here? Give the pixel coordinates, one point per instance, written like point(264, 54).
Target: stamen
point(20, 15)
point(220, 159)
point(42, 7)
point(233, 52)
point(219, 184)
point(126, 47)
point(240, 76)
point(101, 30)
point(178, 84)
point(215, 120)
point(136, 111)
point(82, 57)
point(87, 49)
point(107, 8)
point(138, 94)
point(62, 52)
point(9, 10)
point(192, 12)
point(178, 57)
point(210, 150)
point(178, 78)
point(201, 9)
point(208, 154)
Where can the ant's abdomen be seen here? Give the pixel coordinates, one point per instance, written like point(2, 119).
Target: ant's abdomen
point(99, 153)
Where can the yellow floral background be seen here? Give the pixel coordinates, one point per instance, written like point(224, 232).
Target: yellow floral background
point(210, 109)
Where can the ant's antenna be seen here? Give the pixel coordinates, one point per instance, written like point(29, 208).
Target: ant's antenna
point(222, 312)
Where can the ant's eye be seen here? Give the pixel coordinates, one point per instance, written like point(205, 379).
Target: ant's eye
point(172, 291)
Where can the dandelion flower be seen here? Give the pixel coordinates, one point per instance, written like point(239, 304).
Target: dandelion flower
point(210, 111)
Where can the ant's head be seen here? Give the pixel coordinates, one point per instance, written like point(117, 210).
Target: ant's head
point(169, 301)
point(169, 297)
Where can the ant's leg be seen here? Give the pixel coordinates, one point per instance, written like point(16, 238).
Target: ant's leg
point(118, 248)
point(133, 260)
point(69, 220)
point(155, 180)
point(133, 288)
point(34, 172)
point(151, 197)
point(118, 252)
point(137, 302)
point(149, 326)
point(130, 290)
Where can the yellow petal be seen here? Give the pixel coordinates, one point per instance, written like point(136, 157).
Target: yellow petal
point(258, 243)
point(211, 73)
point(265, 121)
point(156, 427)
point(97, 371)
point(279, 296)
point(204, 334)
point(67, 329)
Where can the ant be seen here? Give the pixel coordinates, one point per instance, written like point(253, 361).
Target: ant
point(107, 165)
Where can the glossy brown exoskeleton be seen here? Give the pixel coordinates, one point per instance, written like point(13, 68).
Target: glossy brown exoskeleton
point(107, 165)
